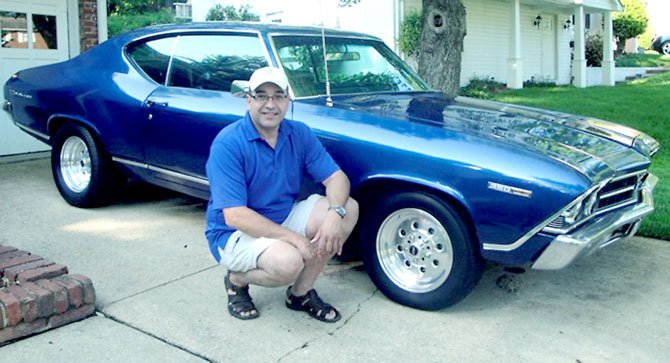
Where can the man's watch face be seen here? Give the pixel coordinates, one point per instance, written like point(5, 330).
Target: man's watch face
point(339, 210)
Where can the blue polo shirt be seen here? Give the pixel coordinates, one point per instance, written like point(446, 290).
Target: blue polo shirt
point(243, 170)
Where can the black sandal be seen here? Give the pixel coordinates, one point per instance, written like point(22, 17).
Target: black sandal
point(240, 304)
point(312, 304)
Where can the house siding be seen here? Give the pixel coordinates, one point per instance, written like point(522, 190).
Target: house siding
point(486, 45)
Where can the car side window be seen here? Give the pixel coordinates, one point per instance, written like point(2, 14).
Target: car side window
point(153, 57)
point(214, 61)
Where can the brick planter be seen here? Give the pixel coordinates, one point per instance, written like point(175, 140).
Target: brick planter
point(37, 295)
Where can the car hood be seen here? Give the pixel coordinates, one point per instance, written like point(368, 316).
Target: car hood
point(590, 145)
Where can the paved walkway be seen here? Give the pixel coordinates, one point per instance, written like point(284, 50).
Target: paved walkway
point(160, 296)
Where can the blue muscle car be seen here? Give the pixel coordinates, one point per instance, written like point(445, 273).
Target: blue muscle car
point(444, 183)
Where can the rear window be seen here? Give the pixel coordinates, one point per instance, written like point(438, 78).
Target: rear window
point(201, 61)
point(213, 62)
point(153, 57)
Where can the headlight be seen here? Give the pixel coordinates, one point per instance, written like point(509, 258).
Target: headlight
point(577, 211)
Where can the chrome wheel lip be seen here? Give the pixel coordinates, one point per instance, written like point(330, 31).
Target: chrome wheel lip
point(414, 250)
point(75, 164)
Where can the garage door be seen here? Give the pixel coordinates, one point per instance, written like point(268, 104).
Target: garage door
point(33, 33)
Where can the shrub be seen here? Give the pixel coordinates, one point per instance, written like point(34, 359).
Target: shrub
point(482, 87)
point(643, 60)
point(540, 82)
point(594, 50)
point(410, 33)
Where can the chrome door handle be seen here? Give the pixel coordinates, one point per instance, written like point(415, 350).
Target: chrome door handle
point(152, 103)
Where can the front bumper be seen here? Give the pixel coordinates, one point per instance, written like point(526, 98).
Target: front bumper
point(603, 231)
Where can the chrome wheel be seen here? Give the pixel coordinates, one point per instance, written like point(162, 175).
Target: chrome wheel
point(75, 164)
point(414, 250)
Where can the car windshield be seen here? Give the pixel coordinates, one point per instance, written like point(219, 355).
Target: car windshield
point(354, 66)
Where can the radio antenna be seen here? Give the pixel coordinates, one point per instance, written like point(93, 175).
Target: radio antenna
point(329, 100)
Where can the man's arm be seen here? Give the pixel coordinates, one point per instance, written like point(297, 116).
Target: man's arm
point(329, 235)
point(252, 223)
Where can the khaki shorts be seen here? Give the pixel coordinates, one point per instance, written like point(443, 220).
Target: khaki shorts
point(242, 250)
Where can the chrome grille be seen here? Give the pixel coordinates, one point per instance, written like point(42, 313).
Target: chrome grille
point(619, 191)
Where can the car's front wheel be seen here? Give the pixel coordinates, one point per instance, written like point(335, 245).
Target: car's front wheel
point(418, 251)
point(81, 170)
point(665, 47)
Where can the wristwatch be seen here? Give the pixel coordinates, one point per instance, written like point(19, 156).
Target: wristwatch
point(339, 210)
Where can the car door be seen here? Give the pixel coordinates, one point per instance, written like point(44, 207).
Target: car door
point(186, 113)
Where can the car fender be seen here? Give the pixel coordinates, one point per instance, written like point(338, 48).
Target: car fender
point(58, 119)
point(369, 186)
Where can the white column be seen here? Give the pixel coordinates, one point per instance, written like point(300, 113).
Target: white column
point(579, 61)
point(74, 45)
point(102, 20)
point(514, 62)
point(608, 52)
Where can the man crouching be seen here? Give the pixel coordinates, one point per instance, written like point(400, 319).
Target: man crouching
point(255, 227)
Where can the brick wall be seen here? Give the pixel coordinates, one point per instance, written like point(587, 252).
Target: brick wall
point(37, 295)
point(88, 24)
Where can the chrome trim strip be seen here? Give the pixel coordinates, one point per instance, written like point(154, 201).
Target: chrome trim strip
point(130, 162)
point(32, 131)
point(616, 192)
point(156, 169)
point(629, 175)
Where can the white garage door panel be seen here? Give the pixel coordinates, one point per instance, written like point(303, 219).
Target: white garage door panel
point(25, 52)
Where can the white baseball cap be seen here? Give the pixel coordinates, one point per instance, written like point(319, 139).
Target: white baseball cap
point(268, 75)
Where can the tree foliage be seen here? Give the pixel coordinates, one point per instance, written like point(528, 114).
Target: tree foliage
point(348, 3)
point(125, 15)
point(629, 23)
point(228, 12)
point(137, 7)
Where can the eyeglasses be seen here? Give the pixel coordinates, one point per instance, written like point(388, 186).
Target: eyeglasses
point(278, 97)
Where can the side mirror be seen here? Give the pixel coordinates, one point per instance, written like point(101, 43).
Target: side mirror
point(239, 88)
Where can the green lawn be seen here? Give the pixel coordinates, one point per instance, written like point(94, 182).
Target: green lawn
point(643, 104)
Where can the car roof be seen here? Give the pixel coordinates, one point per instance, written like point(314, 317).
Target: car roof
point(266, 28)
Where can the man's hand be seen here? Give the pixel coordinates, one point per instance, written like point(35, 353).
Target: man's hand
point(328, 237)
point(307, 249)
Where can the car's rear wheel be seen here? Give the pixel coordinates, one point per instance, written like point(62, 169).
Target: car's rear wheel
point(418, 251)
point(82, 171)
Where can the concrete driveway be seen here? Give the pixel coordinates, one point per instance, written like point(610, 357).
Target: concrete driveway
point(160, 296)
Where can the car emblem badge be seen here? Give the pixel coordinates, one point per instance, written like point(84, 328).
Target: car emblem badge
point(510, 190)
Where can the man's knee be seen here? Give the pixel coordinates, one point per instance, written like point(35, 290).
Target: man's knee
point(284, 263)
point(289, 267)
point(352, 212)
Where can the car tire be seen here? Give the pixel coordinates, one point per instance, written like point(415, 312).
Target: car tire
point(665, 48)
point(82, 171)
point(419, 251)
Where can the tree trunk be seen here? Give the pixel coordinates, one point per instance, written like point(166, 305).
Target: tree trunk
point(442, 44)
